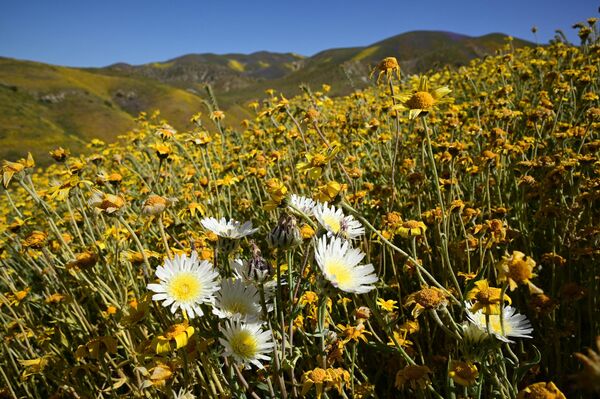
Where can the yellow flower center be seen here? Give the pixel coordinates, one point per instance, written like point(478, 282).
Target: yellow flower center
point(319, 160)
point(318, 375)
point(184, 287)
point(243, 344)
point(333, 223)
point(429, 298)
point(519, 271)
point(421, 100)
point(495, 325)
point(339, 271)
point(487, 296)
point(237, 307)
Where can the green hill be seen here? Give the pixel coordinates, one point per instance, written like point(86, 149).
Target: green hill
point(43, 106)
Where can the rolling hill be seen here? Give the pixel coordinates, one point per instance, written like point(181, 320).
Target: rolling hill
point(43, 106)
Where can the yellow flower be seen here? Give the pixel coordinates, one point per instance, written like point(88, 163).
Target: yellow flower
point(217, 115)
point(317, 377)
point(306, 231)
point(34, 366)
point(387, 67)
point(518, 270)
point(353, 333)
point(388, 306)
point(84, 260)
point(9, 169)
point(36, 240)
point(96, 348)
point(108, 203)
point(463, 373)
point(162, 150)
point(59, 154)
point(177, 336)
point(277, 191)
point(422, 100)
point(155, 204)
point(329, 191)
point(541, 390)
point(411, 228)
point(417, 377)
point(486, 298)
point(428, 298)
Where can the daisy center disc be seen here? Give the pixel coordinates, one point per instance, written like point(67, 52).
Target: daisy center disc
point(339, 271)
point(333, 223)
point(243, 344)
point(237, 307)
point(184, 287)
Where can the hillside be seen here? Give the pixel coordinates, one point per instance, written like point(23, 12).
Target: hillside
point(44, 106)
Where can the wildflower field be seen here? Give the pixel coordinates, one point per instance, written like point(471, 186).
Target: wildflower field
point(431, 236)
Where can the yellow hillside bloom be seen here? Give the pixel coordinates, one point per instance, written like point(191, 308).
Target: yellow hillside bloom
point(517, 269)
point(541, 390)
point(463, 373)
point(486, 298)
point(423, 100)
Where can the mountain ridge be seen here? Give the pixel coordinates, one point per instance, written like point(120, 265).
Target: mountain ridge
point(44, 106)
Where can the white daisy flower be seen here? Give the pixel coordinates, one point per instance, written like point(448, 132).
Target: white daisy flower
point(333, 220)
point(340, 265)
point(304, 204)
point(246, 342)
point(185, 283)
point(512, 324)
point(183, 394)
point(236, 299)
point(228, 229)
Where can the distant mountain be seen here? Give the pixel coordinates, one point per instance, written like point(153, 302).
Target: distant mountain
point(224, 72)
point(43, 106)
point(417, 52)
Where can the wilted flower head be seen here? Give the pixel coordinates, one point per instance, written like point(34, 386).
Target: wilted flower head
point(285, 234)
point(107, 203)
point(155, 204)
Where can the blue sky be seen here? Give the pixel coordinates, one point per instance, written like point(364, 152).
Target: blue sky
point(102, 32)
